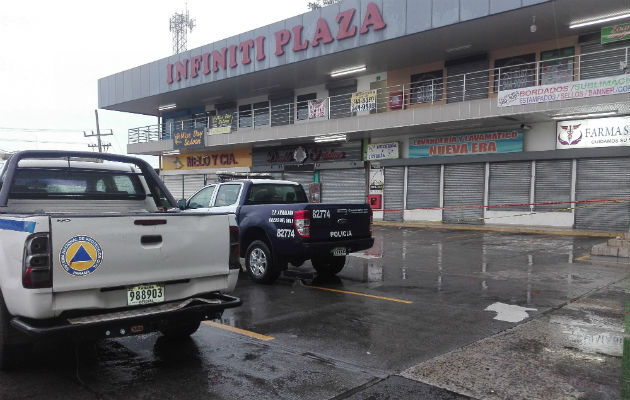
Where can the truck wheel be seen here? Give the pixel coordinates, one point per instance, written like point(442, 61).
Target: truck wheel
point(180, 330)
point(327, 266)
point(259, 263)
point(11, 349)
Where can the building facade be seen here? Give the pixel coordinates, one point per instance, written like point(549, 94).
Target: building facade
point(473, 112)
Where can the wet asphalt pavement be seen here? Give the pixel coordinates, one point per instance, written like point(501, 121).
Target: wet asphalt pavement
point(405, 319)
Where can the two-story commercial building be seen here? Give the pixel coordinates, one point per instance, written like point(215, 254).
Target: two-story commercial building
point(476, 111)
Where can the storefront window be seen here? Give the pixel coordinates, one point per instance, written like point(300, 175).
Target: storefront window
point(515, 72)
point(426, 87)
point(556, 66)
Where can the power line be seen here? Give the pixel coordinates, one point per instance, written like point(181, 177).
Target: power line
point(35, 130)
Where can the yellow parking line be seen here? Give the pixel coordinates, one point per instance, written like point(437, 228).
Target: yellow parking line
point(362, 294)
point(584, 257)
point(240, 331)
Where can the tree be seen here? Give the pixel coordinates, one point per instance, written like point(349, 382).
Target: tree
point(314, 5)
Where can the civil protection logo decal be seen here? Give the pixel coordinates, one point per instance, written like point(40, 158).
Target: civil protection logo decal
point(81, 255)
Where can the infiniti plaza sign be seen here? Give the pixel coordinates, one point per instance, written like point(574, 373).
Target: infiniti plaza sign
point(601, 132)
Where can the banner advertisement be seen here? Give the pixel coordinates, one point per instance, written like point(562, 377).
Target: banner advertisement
point(188, 138)
point(221, 124)
point(317, 109)
point(363, 101)
point(616, 33)
point(601, 132)
point(215, 159)
point(377, 179)
point(383, 151)
point(605, 86)
point(475, 143)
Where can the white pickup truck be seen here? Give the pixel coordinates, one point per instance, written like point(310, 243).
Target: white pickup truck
point(93, 246)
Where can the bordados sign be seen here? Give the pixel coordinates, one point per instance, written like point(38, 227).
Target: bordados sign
point(473, 143)
point(346, 25)
point(601, 132)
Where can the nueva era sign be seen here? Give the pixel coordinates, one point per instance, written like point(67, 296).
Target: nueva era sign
point(475, 143)
point(243, 52)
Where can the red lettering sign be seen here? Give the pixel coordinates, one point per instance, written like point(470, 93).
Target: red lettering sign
point(228, 56)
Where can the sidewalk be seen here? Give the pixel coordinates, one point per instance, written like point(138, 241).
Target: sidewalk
point(540, 230)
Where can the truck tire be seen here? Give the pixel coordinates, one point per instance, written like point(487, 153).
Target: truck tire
point(328, 266)
point(259, 263)
point(11, 349)
point(180, 330)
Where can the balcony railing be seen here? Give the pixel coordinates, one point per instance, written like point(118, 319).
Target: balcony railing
point(440, 90)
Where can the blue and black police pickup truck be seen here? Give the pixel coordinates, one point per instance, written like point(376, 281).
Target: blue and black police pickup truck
point(279, 226)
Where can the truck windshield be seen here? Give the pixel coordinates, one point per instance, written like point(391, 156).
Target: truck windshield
point(42, 183)
point(275, 193)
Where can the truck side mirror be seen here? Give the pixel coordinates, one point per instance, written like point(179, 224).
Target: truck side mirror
point(181, 203)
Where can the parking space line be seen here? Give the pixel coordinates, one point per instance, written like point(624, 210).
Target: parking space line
point(239, 331)
point(362, 294)
point(584, 257)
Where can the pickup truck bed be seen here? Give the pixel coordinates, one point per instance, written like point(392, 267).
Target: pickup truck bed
point(93, 246)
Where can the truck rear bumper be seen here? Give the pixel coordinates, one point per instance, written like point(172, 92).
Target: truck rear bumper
point(323, 248)
point(131, 321)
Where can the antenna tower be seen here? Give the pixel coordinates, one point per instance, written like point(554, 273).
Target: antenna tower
point(179, 25)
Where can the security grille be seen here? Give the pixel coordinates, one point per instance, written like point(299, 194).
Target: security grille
point(553, 185)
point(602, 178)
point(343, 185)
point(175, 185)
point(467, 81)
point(394, 192)
point(423, 187)
point(510, 183)
point(464, 187)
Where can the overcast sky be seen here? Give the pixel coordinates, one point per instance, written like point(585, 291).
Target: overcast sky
point(52, 54)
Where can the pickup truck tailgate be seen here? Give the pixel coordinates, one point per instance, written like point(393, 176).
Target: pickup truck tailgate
point(331, 222)
point(110, 251)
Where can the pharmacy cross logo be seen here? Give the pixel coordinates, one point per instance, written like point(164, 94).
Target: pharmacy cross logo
point(565, 137)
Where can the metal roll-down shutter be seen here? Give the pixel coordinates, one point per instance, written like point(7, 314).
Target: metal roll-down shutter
point(394, 192)
point(553, 185)
point(423, 187)
point(175, 185)
point(602, 178)
point(464, 187)
point(343, 185)
point(192, 183)
point(510, 183)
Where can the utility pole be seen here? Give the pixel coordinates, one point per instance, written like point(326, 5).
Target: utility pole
point(98, 135)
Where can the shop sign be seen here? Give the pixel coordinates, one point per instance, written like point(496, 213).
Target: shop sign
point(304, 154)
point(188, 138)
point(475, 143)
point(363, 101)
point(615, 33)
point(216, 159)
point(346, 24)
point(221, 123)
point(605, 86)
point(317, 109)
point(601, 132)
point(383, 151)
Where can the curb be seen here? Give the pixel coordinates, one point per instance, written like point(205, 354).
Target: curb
point(500, 228)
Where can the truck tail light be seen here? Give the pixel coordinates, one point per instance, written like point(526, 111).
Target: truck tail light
point(37, 268)
point(371, 219)
point(235, 247)
point(302, 223)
